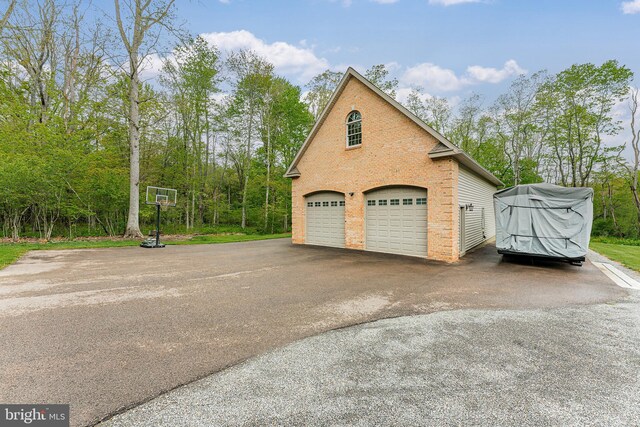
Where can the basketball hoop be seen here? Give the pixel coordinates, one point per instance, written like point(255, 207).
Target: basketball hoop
point(162, 198)
point(164, 205)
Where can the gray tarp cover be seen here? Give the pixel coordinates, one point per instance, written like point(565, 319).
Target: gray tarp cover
point(544, 219)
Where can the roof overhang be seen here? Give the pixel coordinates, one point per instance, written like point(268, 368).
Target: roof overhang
point(292, 173)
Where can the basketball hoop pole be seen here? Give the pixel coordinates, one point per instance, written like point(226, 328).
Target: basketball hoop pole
point(155, 242)
point(158, 225)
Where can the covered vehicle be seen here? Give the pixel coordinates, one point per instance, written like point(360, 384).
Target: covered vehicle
point(544, 220)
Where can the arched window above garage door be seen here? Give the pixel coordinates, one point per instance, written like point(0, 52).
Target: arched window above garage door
point(354, 129)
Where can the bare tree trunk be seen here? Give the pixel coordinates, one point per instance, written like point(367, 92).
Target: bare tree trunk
point(31, 44)
point(244, 202)
point(187, 216)
point(193, 208)
point(611, 206)
point(268, 183)
point(636, 199)
point(205, 176)
point(215, 206)
point(635, 144)
point(145, 14)
point(246, 176)
point(72, 55)
point(133, 225)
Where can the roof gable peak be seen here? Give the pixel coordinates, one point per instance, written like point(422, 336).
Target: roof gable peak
point(443, 149)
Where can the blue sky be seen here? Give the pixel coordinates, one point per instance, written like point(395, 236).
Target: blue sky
point(449, 47)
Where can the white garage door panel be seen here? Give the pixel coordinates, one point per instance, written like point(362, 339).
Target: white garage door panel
point(325, 219)
point(399, 228)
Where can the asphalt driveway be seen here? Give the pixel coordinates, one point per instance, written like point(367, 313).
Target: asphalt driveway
point(574, 366)
point(107, 329)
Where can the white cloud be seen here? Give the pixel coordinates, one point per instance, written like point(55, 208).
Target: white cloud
point(345, 3)
point(342, 67)
point(219, 97)
point(392, 66)
point(453, 2)
point(435, 78)
point(385, 1)
point(402, 94)
point(336, 49)
point(300, 61)
point(150, 66)
point(631, 7)
point(494, 75)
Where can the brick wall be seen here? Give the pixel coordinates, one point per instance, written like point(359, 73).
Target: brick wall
point(394, 151)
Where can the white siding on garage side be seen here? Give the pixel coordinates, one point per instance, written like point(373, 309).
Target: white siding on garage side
point(480, 223)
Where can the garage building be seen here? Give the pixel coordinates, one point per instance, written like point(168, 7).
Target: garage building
point(373, 176)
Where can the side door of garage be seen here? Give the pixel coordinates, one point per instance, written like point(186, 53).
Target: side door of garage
point(325, 219)
point(396, 221)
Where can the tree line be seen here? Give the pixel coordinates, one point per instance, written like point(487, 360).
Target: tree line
point(82, 133)
point(557, 128)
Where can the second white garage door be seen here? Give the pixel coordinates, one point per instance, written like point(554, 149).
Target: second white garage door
point(325, 219)
point(396, 221)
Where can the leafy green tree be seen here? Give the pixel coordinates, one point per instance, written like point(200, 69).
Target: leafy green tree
point(192, 77)
point(253, 76)
point(284, 125)
point(576, 105)
point(467, 128)
point(321, 87)
point(633, 169)
point(379, 76)
point(518, 129)
point(434, 111)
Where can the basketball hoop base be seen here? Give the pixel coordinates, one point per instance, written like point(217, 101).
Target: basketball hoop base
point(151, 243)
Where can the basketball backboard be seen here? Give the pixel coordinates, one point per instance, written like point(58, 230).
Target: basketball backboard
point(161, 196)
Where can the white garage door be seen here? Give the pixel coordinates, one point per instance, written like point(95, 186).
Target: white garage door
point(396, 221)
point(325, 219)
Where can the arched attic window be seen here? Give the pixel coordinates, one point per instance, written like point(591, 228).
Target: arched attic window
point(354, 129)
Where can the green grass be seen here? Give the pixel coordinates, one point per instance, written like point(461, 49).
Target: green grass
point(616, 240)
point(226, 238)
point(11, 252)
point(626, 254)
